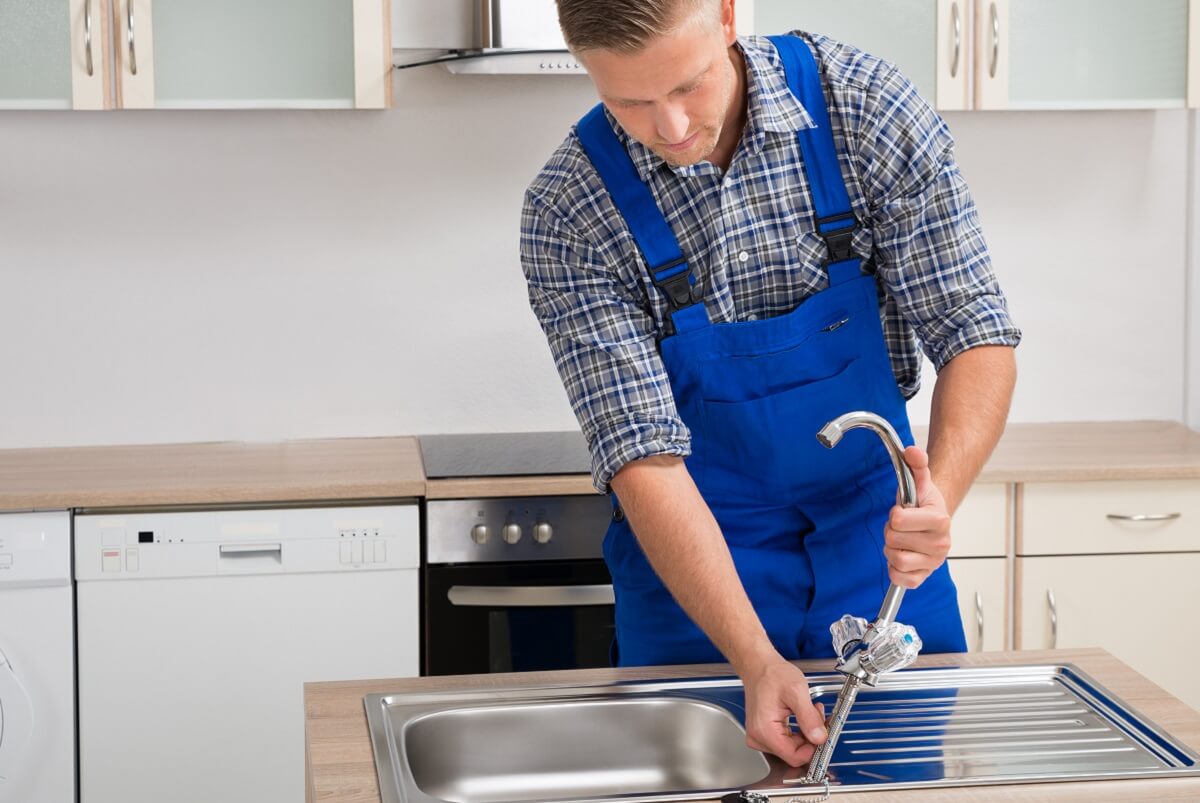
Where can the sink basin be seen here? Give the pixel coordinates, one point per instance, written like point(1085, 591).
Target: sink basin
point(579, 749)
point(684, 740)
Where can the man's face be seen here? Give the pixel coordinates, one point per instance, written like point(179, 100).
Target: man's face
point(674, 94)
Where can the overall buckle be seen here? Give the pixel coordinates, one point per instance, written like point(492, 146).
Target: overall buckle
point(678, 287)
point(839, 239)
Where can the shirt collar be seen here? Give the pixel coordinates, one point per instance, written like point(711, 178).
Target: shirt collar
point(770, 107)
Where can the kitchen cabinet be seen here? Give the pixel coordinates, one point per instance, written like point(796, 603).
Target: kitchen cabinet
point(182, 54)
point(1113, 565)
point(927, 39)
point(1081, 54)
point(979, 565)
point(982, 601)
point(1026, 54)
point(53, 54)
point(1138, 607)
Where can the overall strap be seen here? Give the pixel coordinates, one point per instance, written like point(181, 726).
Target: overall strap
point(834, 216)
point(669, 269)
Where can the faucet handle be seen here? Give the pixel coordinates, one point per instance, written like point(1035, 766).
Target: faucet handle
point(890, 647)
point(846, 631)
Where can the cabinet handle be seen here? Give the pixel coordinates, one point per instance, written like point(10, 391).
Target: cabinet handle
point(995, 41)
point(979, 617)
point(1144, 516)
point(1053, 618)
point(129, 37)
point(957, 26)
point(87, 34)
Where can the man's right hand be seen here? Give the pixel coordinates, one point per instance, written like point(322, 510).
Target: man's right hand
point(775, 690)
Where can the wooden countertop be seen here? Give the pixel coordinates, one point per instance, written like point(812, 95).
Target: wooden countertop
point(340, 765)
point(1053, 452)
point(380, 468)
point(210, 473)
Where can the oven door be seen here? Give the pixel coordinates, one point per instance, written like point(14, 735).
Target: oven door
point(517, 617)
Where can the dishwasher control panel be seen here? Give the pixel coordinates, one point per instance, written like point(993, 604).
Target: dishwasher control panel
point(202, 543)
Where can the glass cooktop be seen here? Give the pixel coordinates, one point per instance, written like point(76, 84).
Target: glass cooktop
point(504, 454)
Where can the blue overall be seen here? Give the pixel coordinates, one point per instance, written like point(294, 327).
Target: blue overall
point(804, 524)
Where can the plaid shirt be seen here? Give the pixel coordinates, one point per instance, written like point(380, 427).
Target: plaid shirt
point(749, 235)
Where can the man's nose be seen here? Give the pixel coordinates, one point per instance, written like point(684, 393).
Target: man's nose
point(672, 124)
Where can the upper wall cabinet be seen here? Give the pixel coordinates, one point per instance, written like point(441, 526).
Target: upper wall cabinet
point(141, 54)
point(927, 39)
point(53, 54)
point(1081, 54)
point(1016, 54)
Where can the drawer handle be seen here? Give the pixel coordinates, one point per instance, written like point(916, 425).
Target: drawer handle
point(979, 617)
point(1144, 516)
point(1053, 618)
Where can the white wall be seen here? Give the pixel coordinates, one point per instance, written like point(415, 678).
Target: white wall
point(192, 276)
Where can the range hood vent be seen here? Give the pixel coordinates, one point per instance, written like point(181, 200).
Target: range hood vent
point(490, 37)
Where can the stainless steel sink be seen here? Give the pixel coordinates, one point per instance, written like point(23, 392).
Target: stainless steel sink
point(684, 739)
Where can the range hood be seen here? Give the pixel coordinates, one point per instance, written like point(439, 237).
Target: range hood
point(494, 37)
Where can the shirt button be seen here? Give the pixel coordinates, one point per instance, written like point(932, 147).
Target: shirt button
point(752, 317)
point(743, 257)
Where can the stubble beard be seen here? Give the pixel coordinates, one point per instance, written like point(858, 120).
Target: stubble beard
point(706, 143)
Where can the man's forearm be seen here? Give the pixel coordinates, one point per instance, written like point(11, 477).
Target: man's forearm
point(970, 405)
point(684, 544)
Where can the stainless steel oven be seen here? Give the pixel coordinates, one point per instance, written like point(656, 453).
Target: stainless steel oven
point(516, 585)
point(513, 584)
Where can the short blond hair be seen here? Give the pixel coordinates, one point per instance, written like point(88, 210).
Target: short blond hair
point(623, 26)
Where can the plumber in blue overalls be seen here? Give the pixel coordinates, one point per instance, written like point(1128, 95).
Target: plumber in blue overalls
point(712, 296)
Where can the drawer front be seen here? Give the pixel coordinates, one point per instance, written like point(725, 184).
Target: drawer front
point(982, 600)
point(1073, 518)
point(980, 525)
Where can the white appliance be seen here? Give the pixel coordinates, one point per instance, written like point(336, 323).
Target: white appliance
point(197, 630)
point(37, 659)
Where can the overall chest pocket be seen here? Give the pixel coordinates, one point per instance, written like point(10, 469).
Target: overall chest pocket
point(766, 447)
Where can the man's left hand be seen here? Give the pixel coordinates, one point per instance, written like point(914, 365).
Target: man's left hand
point(917, 539)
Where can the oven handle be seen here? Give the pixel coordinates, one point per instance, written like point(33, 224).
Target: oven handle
point(530, 596)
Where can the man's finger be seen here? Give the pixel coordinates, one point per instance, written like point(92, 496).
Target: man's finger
point(808, 716)
point(788, 746)
point(918, 461)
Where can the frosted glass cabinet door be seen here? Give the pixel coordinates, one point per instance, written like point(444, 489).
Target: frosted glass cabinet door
point(52, 54)
point(237, 54)
point(926, 39)
point(1081, 54)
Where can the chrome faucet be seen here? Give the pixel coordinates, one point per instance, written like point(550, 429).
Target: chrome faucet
point(865, 651)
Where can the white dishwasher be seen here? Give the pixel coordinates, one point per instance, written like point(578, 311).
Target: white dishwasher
point(197, 630)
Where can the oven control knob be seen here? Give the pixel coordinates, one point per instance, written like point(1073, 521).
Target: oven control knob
point(480, 534)
point(542, 533)
point(512, 533)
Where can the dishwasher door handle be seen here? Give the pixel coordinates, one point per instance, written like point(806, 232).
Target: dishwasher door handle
point(234, 550)
point(530, 596)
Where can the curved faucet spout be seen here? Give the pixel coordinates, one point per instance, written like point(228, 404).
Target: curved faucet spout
point(831, 434)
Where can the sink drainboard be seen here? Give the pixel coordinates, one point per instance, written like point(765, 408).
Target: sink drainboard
point(679, 740)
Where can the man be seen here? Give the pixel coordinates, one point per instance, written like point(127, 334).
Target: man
point(748, 238)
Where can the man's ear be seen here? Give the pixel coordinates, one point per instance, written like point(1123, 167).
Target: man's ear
point(729, 21)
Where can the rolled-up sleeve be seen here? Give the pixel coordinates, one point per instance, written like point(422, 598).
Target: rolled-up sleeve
point(929, 247)
point(603, 344)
